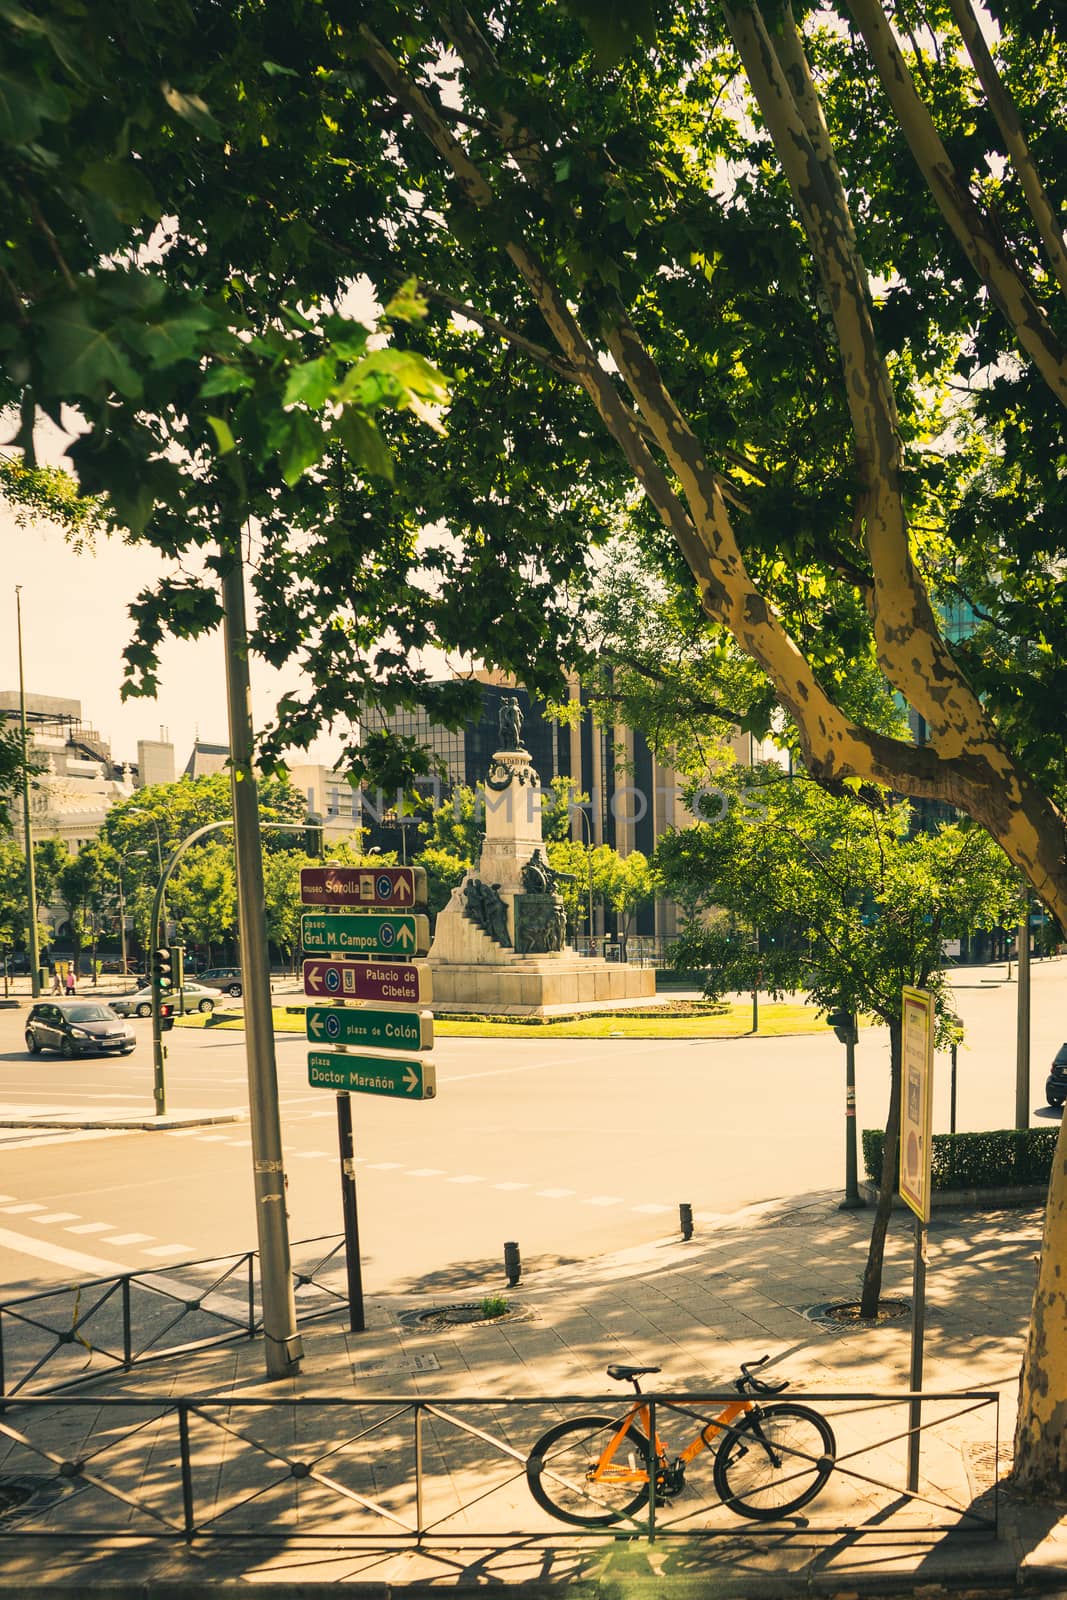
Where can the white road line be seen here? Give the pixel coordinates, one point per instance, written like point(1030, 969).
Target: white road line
point(182, 1133)
point(466, 1177)
point(214, 1138)
point(425, 1172)
point(554, 1194)
point(68, 1136)
point(604, 1200)
point(129, 1238)
point(23, 1205)
point(511, 1186)
point(44, 1250)
point(57, 1216)
point(4, 1198)
point(652, 1210)
point(171, 1250)
point(93, 1227)
point(504, 1072)
point(311, 1155)
point(384, 1166)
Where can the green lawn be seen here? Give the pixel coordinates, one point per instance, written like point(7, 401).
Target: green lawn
point(680, 1020)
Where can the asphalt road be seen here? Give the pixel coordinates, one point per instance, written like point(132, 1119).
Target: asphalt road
point(568, 1147)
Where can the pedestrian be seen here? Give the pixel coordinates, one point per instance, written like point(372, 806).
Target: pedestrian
point(57, 987)
point(70, 983)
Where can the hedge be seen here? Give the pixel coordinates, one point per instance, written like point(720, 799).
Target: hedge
point(1006, 1159)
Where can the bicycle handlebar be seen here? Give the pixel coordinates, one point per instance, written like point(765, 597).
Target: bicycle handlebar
point(747, 1381)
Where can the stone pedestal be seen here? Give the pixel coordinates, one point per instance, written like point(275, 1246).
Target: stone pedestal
point(498, 944)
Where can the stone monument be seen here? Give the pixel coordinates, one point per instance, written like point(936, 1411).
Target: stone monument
point(500, 943)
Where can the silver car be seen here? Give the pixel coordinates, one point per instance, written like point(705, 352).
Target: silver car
point(139, 1004)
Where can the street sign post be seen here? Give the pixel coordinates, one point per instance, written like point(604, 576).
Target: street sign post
point(367, 933)
point(383, 1030)
point(388, 982)
point(403, 1080)
point(388, 887)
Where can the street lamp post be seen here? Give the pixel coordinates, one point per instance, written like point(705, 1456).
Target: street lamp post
point(31, 882)
point(587, 829)
point(122, 906)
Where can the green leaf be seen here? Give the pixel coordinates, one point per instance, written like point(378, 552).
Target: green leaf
point(176, 338)
point(24, 107)
point(80, 358)
point(223, 435)
point(310, 384)
point(407, 305)
point(124, 186)
point(303, 445)
point(225, 380)
point(192, 110)
point(364, 443)
point(274, 69)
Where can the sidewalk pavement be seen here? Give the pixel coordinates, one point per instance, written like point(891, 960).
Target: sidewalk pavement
point(744, 1287)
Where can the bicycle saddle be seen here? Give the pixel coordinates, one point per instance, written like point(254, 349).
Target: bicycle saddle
point(627, 1374)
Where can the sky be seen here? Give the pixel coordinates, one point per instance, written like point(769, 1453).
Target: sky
point(75, 623)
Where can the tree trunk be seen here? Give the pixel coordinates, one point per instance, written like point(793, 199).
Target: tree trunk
point(1041, 1430)
point(872, 1272)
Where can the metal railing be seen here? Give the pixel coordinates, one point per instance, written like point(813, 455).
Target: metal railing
point(403, 1470)
point(62, 1336)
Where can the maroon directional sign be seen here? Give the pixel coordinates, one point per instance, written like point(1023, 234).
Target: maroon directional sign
point(390, 982)
point(391, 887)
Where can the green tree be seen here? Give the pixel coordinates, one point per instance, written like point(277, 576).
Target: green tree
point(456, 827)
point(203, 897)
point(625, 882)
point(741, 272)
point(850, 906)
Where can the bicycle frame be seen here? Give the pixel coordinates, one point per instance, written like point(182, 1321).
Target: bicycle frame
point(608, 1471)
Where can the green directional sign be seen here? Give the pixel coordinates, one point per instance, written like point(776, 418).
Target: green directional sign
point(388, 1030)
point(403, 1080)
point(368, 933)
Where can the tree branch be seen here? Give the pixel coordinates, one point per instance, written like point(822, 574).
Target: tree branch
point(982, 244)
point(1003, 109)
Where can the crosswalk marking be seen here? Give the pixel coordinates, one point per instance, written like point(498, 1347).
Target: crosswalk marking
point(92, 1227)
point(56, 1216)
point(466, 1177)
point(172, 1250)
point(554, 1194)
point(24, 1205)
point(128, 1238)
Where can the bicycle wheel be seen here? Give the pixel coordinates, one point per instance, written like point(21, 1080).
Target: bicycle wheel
point(560, 1465)
point(774, 1462)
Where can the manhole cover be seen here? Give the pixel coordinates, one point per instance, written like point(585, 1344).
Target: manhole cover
point(468, 1314)
point(29, 1493)
point(842, 1315)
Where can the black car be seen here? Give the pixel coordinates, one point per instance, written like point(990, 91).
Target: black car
point(77, 1028)
point(1056, 1082)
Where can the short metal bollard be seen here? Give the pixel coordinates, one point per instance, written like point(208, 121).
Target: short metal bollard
point(685, 1220)
point(512, 1263)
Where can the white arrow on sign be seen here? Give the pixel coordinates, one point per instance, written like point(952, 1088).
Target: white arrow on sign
point(411, 1080)
point(405, 936)
point(315, 1024)
point(314, 982)
point(402, 890)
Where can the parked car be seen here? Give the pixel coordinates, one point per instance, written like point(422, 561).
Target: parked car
point(77, 1028)
point(1056, 1082)
point(228, 979)
point(139, 1003)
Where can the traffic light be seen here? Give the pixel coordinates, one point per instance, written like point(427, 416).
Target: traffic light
point(177, 964)
point(162, 971)
point(166, 1018)
point(313, 841)
point(843, 1023)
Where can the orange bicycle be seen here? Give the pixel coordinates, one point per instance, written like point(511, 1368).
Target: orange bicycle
point(769, 1459)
